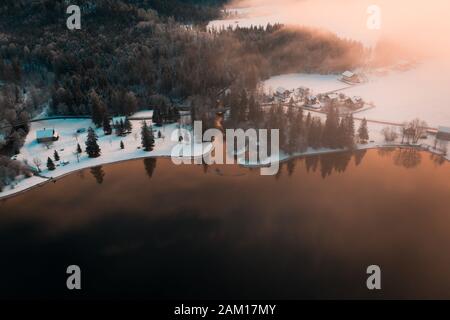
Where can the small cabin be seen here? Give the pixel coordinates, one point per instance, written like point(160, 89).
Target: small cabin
point(354, 102)
point(332, 97)
point(443, 133)
point(46, 135)
point(350, 77)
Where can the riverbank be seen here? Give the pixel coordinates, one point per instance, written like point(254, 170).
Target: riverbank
point(112, 153)
point(35, 154)
point(370, 146)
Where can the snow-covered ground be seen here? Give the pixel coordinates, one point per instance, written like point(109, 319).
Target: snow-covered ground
point(109, 145)
point(316, 82)
point(376, 140)
point(422, 93)
point(398, 96)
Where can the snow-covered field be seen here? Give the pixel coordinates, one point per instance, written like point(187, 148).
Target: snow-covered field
point(422, 93)
point(110, 148)
point(398, 96)
point(316, 82)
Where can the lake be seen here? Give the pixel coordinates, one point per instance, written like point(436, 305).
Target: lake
point(150, 229)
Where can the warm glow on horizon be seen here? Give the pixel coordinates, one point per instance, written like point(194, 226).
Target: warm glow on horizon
point(422, 26)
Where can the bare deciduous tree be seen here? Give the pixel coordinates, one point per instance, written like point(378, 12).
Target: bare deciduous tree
point(390, 134)
point(38, 163)
point(414, 130)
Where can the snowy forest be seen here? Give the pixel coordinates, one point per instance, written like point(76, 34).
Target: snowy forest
point(132, 55)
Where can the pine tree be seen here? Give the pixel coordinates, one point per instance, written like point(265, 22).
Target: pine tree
point(127, 126)
point(92, 147)
point(363, 132)
point(50, 164)
point(254, 111)
point(242, 115)
point(295, 132)
point(56, 155)
point(122, 146)
point(157, 117)
point(106, 125)
point(350, 131)
point(98, 108)
point(147, 138)
point(330, 132)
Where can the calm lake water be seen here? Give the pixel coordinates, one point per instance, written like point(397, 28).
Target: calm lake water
point(150, 229)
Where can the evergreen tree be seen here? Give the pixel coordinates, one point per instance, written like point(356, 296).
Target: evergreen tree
point(254, 111)
point(295, 132)
point(147, 138)
point(50, 164)
point(130, 103)
point(330, 132)
point(157, 117)
point(341, 134)
point(106, 125)
point(122, 146)
point(349, 131)
point(127, 126)
point(98, 108)
point(363, 132)
point(242, 115)
point(92, 147)
point(56, 155)
point(315, 133)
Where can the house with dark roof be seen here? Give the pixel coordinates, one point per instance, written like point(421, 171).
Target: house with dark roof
point(46, 135)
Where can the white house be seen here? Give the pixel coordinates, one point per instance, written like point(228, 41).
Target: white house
point(350, 77)
point(46, 135)
point(443, 133)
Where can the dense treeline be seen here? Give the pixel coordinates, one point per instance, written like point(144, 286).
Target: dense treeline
point(298, 131)
point(150, 56)
point(128, 56)
point(186, 11)
point(10, 169)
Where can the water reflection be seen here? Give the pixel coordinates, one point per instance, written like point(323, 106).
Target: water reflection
point(407, 157)
point(150, 166)
point(232, 233)
point(98, 173)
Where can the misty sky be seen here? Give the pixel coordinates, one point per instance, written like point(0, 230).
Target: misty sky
point(422, 25)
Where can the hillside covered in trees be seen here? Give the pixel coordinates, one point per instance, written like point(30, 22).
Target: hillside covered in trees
point(140, 54)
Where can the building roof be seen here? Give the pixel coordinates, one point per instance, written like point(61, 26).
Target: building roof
point(281, 90)
point(348, 74)
point(333, 96)
point(444, 129)
point(45, 133)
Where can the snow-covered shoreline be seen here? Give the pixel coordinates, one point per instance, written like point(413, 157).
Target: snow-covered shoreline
point(322, 151)
point(36, 181)
point(109, 145)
